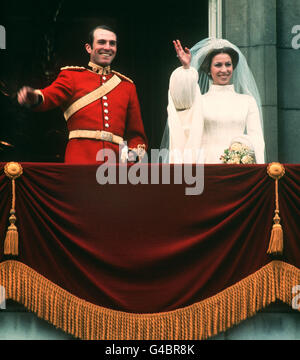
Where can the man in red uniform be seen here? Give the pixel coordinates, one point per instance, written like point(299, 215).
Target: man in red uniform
point(100, 106)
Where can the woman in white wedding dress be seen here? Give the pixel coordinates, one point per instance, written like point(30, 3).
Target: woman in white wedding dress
point(213, 102)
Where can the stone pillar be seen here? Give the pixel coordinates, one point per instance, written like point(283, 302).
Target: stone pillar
point(251, 25)
point(288, 16)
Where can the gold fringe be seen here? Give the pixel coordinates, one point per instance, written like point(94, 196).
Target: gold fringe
point(202, 320)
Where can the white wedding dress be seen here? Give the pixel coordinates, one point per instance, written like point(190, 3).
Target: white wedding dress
point(211, 121)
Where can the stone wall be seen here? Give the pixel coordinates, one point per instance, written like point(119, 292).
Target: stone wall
point(263, 31)
point(288, 15)
point(251, 25)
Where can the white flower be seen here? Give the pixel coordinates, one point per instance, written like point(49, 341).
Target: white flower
point(247, 159)
point(236, 147)
point(245, 148)
point(236, 160)
point(238, 153)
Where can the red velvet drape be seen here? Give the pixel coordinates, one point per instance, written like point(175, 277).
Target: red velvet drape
point(148, 248)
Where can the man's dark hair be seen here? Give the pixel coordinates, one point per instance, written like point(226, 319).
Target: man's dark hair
point(207, 61)
point(91, 33)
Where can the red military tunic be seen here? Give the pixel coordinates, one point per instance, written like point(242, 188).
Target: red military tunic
point(117, 112)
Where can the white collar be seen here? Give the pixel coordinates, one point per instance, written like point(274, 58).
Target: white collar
point(214, 88)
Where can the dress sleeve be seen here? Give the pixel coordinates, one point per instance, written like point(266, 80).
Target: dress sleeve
point(255, 131)
point(183, 86)
point(185, 116)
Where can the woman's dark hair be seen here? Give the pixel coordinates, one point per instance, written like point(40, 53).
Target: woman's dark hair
point(90, 39)
point(226, 50)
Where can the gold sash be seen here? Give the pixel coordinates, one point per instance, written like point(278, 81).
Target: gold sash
point(92, 96)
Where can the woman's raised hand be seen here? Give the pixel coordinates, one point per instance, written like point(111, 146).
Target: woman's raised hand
point(184, 55)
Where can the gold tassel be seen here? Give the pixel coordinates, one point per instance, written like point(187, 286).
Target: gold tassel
point(276, 240)
point(11, 243)
point(276, 171)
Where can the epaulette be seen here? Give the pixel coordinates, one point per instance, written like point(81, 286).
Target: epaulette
point(122, 76)
point(76, 68)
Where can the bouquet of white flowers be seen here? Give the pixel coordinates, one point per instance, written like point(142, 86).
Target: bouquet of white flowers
point(238, 153)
